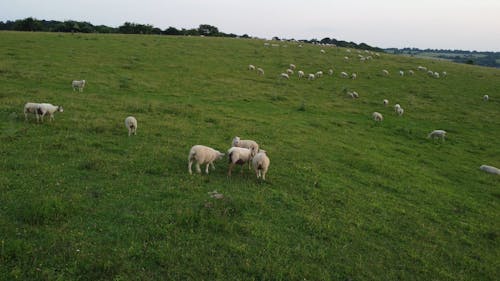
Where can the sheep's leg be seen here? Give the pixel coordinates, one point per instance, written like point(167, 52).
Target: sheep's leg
point(135, 131)
point(213, 166)
point(129, 131)
point(263, 175)
point(189, 167)
point(230, 169)
point(206, 168)
point(198, 169)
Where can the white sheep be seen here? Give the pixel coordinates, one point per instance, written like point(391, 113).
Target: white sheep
point(436, 74)
point(354, 76)
point(344, 75)
point(203, 155)
point(486, 97)
point(386, 102)
point(401, 73)
point(410, 72)
point(260, 164)
point(396, 107)
point(47, 108)
point(444, 73)
point(330, 71)
point(284, 76)
point(322, 51)
point(311, 76)
point(251, 67)
point(250, 144)
point(400, 111)
point(430, 73)
point(422, 68)
point(240, 156)
point(78, 84)
point(353, 95)
point(490, 169)
point(319, 74)
point(437, 134)
point(31, 107)
point(377, 116)
point(292, 66)
point(289, 71)
point(260, 71)
point(346, 58)
point(131, 124)
point(385, 72)
point(301, 73)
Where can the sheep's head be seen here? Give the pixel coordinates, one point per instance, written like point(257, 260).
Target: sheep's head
point(236, 140)
point(60, 109)
point(220, 155)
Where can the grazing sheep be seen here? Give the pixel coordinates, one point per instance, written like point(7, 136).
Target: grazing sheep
point(260, 71)
point(260, 164)
point(78, 84)
point(444, 73)
point(353, 95)
point(377, 116)
point(322, 51)
point(289, 71)
point(386, 102)
point(31, 107)
point(301, 73)
point(436, 74)
point(400, 111)
point(490, 169)
point(240, 156)
point(354, 76)
point(344, 75)
point(319, 74)
point(401, 73)
point(203, 155)
point(292, 66)
point(330, 71)
point(486, 97)
point(410, 72)
point(348, 50)
point(430, 73)
point(385, 72)
point(284, 76)
point(396, 107)
point(311, 76)
point(346, 58)
point(422, 68)
point(131, 124)
point(47, 108)
point(250, 144)
point(251, 67)
point(437, 134)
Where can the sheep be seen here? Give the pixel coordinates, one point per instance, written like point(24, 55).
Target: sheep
point(401, 73)
point(422, 68)
point(250, 144)
point(486, 97)
point(400, 111)
point(386, 102)
point(284, 76)
point(344, 75)
point(444, 73)
point(430, 73)
point(292, 66)
point(354, 76)
point(490, 169)
point(330, 71)
point(437, 134)
point(260, 71)
point(353, 95)
point(436, 74)
point(301, 73)
point(311, 76)
point(47, 108)
point(203, 155)
point(348, 50)
point(322, 51)
point(377, 116)
point(410, 72)
point(385, 72)
point(289, 71)
point(240, 156)
point(260, 164)
point(346, 59)
point(251, 67)
point(131, 124)
point(319, 74)
point(78, 84)
point(31, 107)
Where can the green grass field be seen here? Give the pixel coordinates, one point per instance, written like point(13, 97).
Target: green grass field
point(345, 198)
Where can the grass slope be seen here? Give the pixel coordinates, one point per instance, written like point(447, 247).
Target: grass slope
point(346, 199)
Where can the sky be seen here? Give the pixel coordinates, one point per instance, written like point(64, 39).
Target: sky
point(435, 24)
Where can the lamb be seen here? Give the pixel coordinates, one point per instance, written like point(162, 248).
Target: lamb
point(289, 71)
point(437, 134)
point(322, 51)
point(377, 116)
point(401, 73)
point(386, 102)
point(260, 71)
point(353, 95)
point(385, 72)
point(131, 124)
point(31, 107)
point(330, 71)
point(436, 74)
point(78, 84)
point(486, 97)
point(319, 74)
point(400, 111)
point(430, 73)
point(292, 66)
point(445, 73)
point(422, 68)
point(250, 144)
point(354, 76)
point(396, 107)
point(344, 75)
point(410, 72)
point(301, 73)
point(285, 76)
point(260, 164)
point(203, 155)
point(311, 76)
point(240, 156)
point(489, 169)
point(251, 67)
point(47, 108)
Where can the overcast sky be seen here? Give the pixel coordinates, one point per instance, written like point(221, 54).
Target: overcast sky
point(436, 24)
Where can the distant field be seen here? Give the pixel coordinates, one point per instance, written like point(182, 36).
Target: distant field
point(345, 198)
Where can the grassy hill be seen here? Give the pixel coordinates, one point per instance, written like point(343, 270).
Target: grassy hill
point(345, 199)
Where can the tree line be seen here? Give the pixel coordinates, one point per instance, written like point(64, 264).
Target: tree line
point(32, 24)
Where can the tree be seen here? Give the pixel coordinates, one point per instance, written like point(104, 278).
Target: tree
point(208, 30)
point(28, 24)
point(172, 31)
